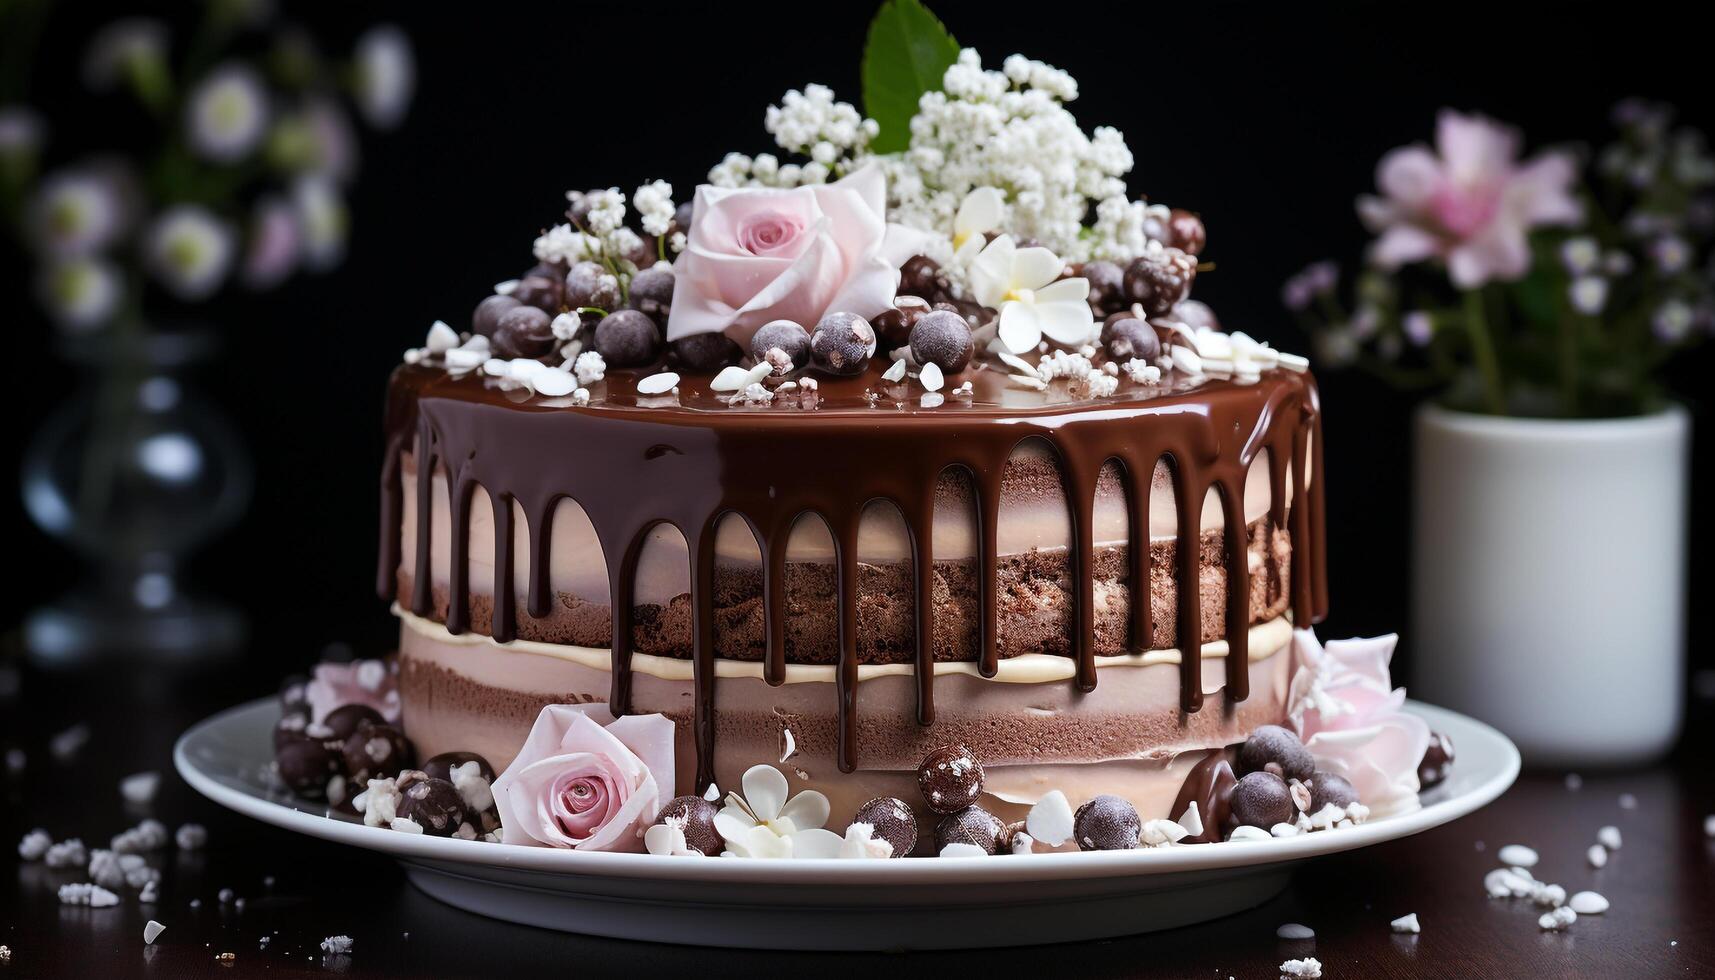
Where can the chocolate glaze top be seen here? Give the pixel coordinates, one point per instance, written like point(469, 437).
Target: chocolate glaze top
point(688, 459)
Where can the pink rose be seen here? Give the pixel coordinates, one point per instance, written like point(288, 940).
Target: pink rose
point(757, 254)
point(374, 683)
point(1351, 718)
point(585, 780)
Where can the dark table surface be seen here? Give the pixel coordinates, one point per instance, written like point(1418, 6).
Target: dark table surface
point(298, 890)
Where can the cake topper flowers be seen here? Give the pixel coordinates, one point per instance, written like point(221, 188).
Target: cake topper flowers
point(764, 823)
point(585, 780)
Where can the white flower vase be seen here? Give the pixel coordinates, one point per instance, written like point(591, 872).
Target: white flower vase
point(1549, 579)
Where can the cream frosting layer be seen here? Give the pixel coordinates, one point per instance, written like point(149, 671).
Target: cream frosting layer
point(1033, 515)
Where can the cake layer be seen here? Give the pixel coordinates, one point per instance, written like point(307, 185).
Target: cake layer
point(1035, 730)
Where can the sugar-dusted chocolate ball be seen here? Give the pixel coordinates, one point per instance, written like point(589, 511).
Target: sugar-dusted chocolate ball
point(1437, 761)
point(1260, 799)
point(682, 216)
point(348, 718)
point(1185, 231)
point(1159, 279)
point(291, 725)
point(893, 325)
point(971, 825)
point(540, 292)
point(488, 312)
point(305, 764)
point(1125, 337)
point(784, 334)
point(950, 778)
point(920, 276)
point(652, 292)
point(293, 693)
point(430, 802)
point(1194, 314)
point(1107, 286)
point(523, 331)
point(589, 284)
point(1106, 823)
point(892, 821)
point(942, 339)
point(842, 344)
point(705, 352)
point(442, 766)
point(375, 752)
point(698, 816)
point(1330, 788)
point(627, 339)
point(1272, 743)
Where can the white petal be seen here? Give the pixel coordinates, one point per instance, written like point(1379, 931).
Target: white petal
point(896, 372)
point(1050, 820)
point(1069, 324)
point(765, 790)
point(554, 383)
point(816, 843)
point(931, 377)
point(442, 338)
point(1074, 290)
point(980, 211)
point(1034, 267)
point(732, 824)
point(731, 378)
point(991, 271)
point(807, 810)
point(1019, 330)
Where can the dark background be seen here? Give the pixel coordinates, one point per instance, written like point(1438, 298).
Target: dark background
point(1266, 119)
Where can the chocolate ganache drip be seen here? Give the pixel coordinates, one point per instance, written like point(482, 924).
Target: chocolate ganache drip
point(633, 462)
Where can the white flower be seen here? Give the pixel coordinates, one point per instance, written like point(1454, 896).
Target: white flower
point(386, 75)
point(606, 211)
point(190, 251)
point(322, 221)
point(764, 823)
point(1588, 294)
point(1672, 321)
point(564, 244)
point(1021, 283)
point(77, 212)
point(1580, 255)
point(80, 293)
point(589, 368)
point(654, 203)
point(20, 133)
point(982, 211)
point(227, 113)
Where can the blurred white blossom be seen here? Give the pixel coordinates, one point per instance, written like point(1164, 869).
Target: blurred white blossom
point(227, 114)
point(386, 75)
point(80, 293)
point(190, 251)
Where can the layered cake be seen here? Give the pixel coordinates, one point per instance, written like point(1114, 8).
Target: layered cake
point(877, 477)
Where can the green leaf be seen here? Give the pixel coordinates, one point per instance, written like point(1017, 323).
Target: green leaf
point(907, 52)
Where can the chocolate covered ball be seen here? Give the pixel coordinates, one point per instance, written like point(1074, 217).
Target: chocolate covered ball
point(652, 292)
point(293, 693)
point(442, 766)
point(1107, 286)
point(1274, 744)
point(1185, 231)
point(892, 821)
point(1195, 314)
point(950, 779)
point(698, 816)
point(1329, 788)
point(540, 292)
point(305, 765)
point(488, 312)
point(784, 334)
point(682, 216)
point(842, 344)
point(1126, 337)
point(705, 352)
point(1437, 761)
point(1107, 823)
point(375, 752)
point(430, 802)
point(920, 276)
point(1260, 799)
point(348, 718)
point(893, 325)
point(290, 726)
point(589, 284)
point(627, 339)
point(523, 331)
point(942, 339)
point(972, 825)
point(1159, 279)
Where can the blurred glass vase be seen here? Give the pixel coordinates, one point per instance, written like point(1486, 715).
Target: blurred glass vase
point(1549, 579)
point(134, 473)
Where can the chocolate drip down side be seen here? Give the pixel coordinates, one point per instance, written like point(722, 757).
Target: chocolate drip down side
point(631, 467)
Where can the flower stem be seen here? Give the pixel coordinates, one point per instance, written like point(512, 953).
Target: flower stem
point(1483, 350)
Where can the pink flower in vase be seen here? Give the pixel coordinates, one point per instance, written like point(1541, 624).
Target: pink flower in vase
point(1470, 202)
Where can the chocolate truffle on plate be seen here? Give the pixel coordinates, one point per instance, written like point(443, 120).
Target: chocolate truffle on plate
point(627, 339)
point(705, 352)
point(1437, 761)
point(431, 803)
point(305, 765)
point(523, 331)
point(893, 325)
point(1126, 337)
point(1107, 823)
point(486, 317)
point(942, 339)
point(652, 292)
point(892, 821)
point(590, 286)
point(785, 335)
point(1185, 231)
point(698, 816)
point(972, 825)
point(348, 718)
point(842, 344)
point(375, 752)
point(1159, 279)
point(1107, 286)
point(540, 292)
point(442, 766)
point(1329, 788)
point(1260, 799)
point(950, 779)
point(1277, 745)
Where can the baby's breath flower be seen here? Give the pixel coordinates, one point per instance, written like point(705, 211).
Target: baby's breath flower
point(227, 113)
point(190, 251)
point(606, 211)
point(654, 203)
point(1588, 294)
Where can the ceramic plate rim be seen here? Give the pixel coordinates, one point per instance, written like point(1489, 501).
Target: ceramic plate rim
point(978, 870)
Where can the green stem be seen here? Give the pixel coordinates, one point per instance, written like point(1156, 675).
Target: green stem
point(1483, 351)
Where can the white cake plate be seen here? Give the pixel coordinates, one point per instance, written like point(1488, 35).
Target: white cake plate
point(917, 903)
